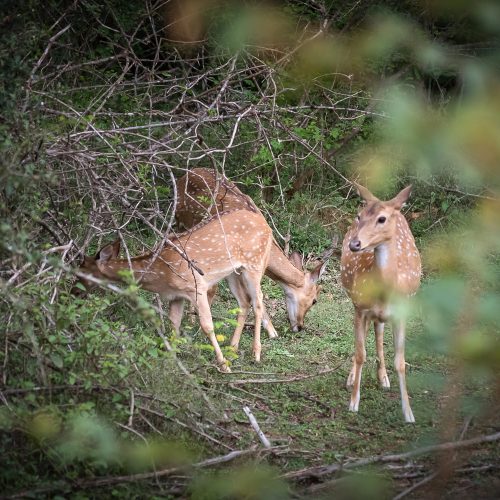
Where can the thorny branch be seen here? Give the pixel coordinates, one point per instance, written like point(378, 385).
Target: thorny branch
point(122, 164)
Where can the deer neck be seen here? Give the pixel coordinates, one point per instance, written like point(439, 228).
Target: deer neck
point(144, 272)
point(281, 270)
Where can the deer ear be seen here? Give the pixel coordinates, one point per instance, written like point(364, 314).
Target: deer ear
point(401, 198)
point(108, 252)
point(318, 271)
point(364, 193)
point(296, 259)
point(87, 260)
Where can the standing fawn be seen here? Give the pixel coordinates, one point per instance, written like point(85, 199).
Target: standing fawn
point(380, 264)
point(234, 245)
point(202, 191)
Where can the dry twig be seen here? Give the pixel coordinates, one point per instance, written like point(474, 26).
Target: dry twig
point(323, 470)
point(256, 427)
point(296, 378)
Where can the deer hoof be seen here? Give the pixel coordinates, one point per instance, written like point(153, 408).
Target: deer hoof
point(409, 418)
point(384, 382)
point(224, 368)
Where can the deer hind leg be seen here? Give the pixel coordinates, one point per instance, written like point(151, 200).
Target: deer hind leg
point(207, 326)
point(399, 365)
point(175, 312)
point(381, 371)
point(360, 329)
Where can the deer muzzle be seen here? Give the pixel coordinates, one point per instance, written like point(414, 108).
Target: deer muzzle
point(355, 245)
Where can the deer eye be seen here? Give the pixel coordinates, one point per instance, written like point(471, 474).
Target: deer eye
point(381, 219)
point(314, 301)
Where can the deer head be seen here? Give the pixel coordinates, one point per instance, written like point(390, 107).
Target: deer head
point(376, 222)
point(93, 266)
point(299, 300)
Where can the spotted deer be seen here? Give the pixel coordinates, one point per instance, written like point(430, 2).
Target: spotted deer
point(233, 245)
point(202, 192)
point(380, 265)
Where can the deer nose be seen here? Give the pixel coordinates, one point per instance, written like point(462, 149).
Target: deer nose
point(77, 292)
point(355, 245)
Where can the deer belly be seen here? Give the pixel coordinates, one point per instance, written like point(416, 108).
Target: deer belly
point(382, 313)
point(215, 274)
point(378, 312)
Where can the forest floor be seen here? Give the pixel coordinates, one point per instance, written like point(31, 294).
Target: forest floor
point(309, 418)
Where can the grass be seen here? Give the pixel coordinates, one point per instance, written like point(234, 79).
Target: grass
point(311, 417)
point(308, 418)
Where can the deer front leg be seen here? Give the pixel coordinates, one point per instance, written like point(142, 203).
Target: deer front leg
point(360, 328)
point(350, 378)
point(266, 321)
point(175, 312)
point(399, 365)
point(381, 372)
point(252, 282)
point(242, 316)
point(238, 290)
point(211, 293)
point(207, 326)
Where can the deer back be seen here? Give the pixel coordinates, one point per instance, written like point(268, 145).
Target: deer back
point(238, 238)
point(202, 192)
point(218, 246)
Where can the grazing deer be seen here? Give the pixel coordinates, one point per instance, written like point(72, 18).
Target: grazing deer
point(203, 192)
point(380, 263)
point(234, 245)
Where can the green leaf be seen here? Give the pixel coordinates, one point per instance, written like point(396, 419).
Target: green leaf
point(57, 360)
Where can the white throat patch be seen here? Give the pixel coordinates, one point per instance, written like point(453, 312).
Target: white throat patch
point(382, 255)
point(292, 307)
